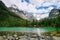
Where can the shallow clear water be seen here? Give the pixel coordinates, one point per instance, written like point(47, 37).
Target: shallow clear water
point(27, 29)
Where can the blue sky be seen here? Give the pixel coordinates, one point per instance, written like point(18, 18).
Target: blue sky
point(39, 8)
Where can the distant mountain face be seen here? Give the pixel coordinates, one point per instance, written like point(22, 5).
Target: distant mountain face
point(54, 13)
point(21, 13)
point(29, 16)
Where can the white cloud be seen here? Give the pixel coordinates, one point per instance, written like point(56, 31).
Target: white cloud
point(58, 3)
point(50, 8)
point(42, 11)
point(38, 16)
point(47, 4)
point(45, 15)
point(30, 7)
point(7, 3)
point(37, 2)
point(23, 6)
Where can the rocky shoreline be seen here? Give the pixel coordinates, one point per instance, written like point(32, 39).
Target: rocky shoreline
point(25, 36)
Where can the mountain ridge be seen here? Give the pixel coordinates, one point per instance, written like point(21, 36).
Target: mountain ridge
point(23, 14)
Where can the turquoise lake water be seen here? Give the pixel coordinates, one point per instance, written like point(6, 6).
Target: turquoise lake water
point(27, 29)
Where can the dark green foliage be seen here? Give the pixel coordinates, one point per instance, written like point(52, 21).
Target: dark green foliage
point(50, 22)
point(47, 22)
point(9, 19)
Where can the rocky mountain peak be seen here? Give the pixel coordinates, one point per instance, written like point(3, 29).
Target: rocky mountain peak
point(54, 13)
